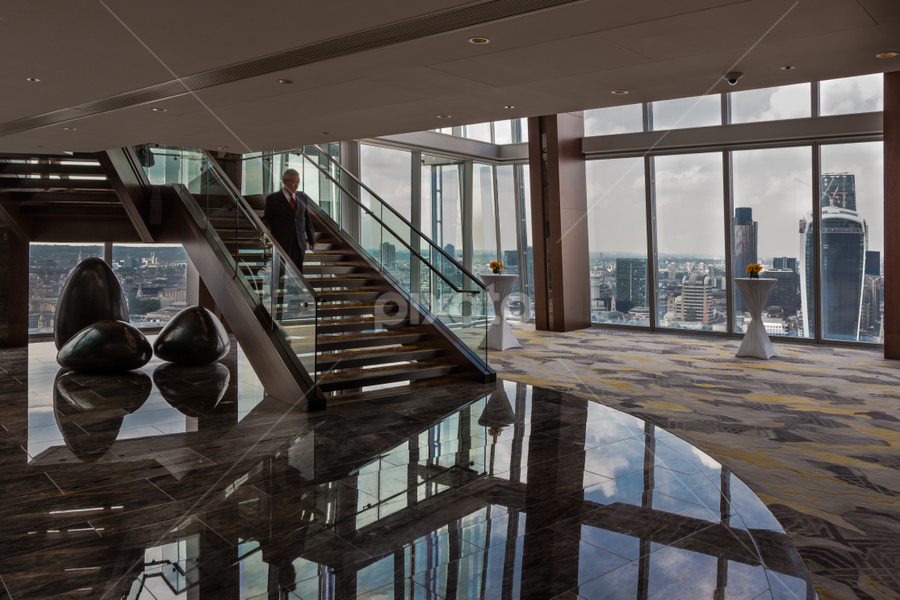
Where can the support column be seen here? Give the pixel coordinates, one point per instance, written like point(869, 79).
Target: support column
point(559, 222)
point(13, 289)
point(891, 214)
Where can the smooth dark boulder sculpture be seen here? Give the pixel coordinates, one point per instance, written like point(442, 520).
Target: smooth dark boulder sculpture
point(91, 293)
point(88, 418)
point(194, 391)
point(106, 347)
point(193, 337)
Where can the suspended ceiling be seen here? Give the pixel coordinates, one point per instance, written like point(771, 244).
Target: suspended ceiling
point(362, 69)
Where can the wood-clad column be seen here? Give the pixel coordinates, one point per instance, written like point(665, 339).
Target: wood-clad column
point(13, 289)
point(559, 222)
point(892, 214)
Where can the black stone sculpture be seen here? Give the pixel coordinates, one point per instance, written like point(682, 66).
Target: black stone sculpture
point(106, 347)
point(91, 293)
point(193, 337)
point(88, 417)
point(193, 391)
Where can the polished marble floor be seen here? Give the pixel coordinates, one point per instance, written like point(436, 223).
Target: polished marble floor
point(191, 483)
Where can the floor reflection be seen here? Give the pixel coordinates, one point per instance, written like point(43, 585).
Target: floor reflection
point(190, 483)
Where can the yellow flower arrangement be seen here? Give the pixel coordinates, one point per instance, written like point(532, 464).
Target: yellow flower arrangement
point(753, 270)
point(496, 267)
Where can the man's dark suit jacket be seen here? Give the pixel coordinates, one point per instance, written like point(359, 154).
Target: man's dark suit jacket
point(289, 229)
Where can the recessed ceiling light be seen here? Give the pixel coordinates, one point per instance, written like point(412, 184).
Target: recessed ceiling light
point(479, 40)
point(888, 54)
point(508, 106)
point(158, 109)
point(69, 128)
point(788, 68)
point(620, 92)
point(286, 81)
point(443, 116)
point(32, 79)
point(223, 147)
point(324, 133)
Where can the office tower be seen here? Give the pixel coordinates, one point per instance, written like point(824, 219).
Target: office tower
point(745, 237)
point(510, 261)
point(631, 283)
point(388, 254)
point(839, 190)
point(873, 262)
point(870, 311)
point(784, 263)
point(843, 254)
point(696, 299)
point(786, 293)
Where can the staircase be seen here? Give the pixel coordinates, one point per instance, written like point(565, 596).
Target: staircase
point(361, 340)
point(47, 196)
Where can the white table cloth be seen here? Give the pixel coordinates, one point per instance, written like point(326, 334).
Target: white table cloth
point(755, 293)
point(500, 335)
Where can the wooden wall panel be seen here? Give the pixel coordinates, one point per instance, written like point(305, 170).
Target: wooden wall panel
point(560, 233)
point(892, 215)
point(13, 289)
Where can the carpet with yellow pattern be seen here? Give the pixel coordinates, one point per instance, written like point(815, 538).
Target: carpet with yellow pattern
point(814, 431)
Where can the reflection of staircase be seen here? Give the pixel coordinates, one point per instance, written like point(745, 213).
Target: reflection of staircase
point(361, 339)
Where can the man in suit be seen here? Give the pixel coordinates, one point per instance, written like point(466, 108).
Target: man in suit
point(287, 217)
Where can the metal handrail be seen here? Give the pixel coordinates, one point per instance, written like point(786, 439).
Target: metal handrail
point(412, 250)
point(398, 215)
point(250, 213)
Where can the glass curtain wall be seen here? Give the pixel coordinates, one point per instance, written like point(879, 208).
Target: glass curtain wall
point(772, 191)
point(690, 242)
point(617, 237)
point(775, 200)
point(852, 241)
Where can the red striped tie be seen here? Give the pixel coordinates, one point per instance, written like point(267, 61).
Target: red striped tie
point(293, 204)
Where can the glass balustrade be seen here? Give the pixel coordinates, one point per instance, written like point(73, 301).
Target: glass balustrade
point(268, 277)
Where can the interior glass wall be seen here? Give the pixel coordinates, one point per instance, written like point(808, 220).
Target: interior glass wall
point(617, 234)
point(690, 242)
point(852, 241)
point(772, 192)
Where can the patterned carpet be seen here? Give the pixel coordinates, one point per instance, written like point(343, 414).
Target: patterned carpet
point(815, 431)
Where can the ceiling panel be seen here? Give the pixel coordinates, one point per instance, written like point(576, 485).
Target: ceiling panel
point(580, 54)
point(739, 25)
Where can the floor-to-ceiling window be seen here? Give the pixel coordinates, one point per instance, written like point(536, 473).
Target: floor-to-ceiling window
point(852, 241)
point(617, 233)
point(772, 190)
point(690, 242)
point(808, 210)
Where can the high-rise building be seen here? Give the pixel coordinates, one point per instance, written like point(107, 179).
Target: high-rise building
point(745, 240)
point(786, 293)
point(870, 310)
point(696, 299)
point(843, 253)
point(784, 263)
point(873, 262)
point(839, 190)
point(631, 283)
point(388, 254)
